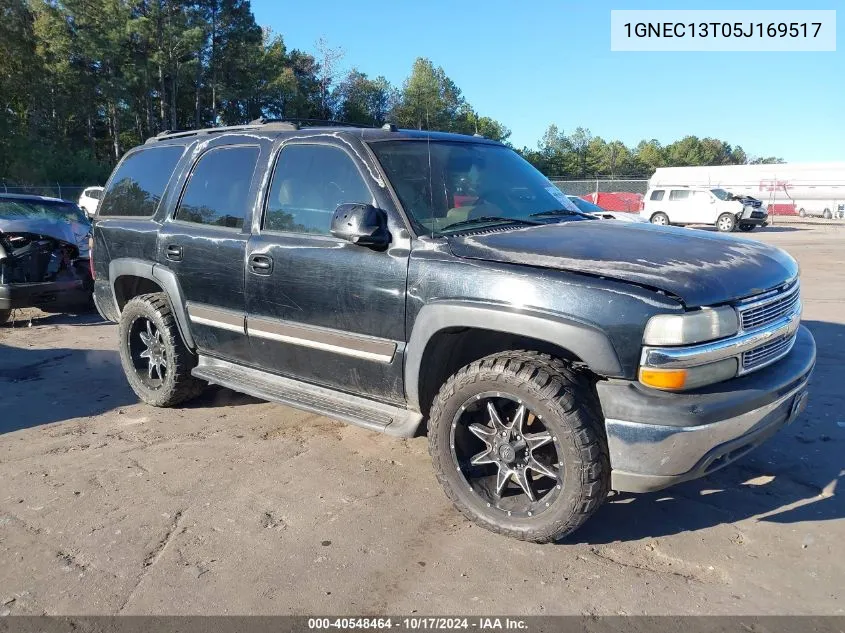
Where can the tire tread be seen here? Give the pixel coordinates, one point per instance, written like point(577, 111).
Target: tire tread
point(185, 386)
point(563, 387)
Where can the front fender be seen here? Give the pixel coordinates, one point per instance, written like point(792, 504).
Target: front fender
point(587, 342)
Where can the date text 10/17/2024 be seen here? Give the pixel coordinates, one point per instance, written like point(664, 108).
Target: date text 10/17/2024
point(421, 623)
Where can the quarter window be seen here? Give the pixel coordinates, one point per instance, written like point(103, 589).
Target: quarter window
point(218, 191)
point(138, 184)
point(679, 194)
point(309, 183)
point(657, 194)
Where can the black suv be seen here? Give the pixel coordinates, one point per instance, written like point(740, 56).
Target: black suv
point(406, 280)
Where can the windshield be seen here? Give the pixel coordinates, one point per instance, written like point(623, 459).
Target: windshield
point(451, 186)
point(721, 194)
point(585, 205)
point(41, 210)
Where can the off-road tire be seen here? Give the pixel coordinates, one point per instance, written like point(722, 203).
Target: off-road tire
point(661, 215)
point(746, 228)
point(567, 400)
point(726, 223)
point(4, 316)
point(179, 385)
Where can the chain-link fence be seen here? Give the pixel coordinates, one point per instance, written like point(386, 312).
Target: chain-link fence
point(54, 190)
point(601, 185)
point(613, 194)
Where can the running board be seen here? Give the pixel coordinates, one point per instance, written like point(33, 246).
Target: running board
point(369, 414)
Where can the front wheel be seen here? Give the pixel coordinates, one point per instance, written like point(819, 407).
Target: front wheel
point(155, 360)
point(518, 444)
point(4, 316)
point(660, 219)
point(827, 215)
point(802, 213)
point(746, 228)
point(726, 223)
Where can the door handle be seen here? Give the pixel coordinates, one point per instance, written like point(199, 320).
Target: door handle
point(261, 264)
point(174, 252)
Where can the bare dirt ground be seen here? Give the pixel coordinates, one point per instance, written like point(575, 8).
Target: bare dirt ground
point(232, 505)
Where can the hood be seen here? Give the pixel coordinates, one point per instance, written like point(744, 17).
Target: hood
point(699, 267)
point(70, 231)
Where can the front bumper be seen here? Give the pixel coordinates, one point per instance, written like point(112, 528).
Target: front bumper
point(657, 439)
point(746, 216)
point(43, 294)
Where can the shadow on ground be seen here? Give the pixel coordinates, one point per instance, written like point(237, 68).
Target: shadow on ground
point(766, 229)
point(217, 396)
point(794, 477)
point(34, 317)
point(43, 386)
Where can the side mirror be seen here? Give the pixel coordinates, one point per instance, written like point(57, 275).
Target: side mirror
point(360, 224)
point(712, 200)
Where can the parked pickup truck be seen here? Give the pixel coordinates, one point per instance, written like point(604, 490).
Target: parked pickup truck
point(550, 357)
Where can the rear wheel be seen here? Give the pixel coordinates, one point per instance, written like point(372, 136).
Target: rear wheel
point(155, 360)
point(4, 316)
point(726, 223)
point(660, 219)
point(746, 228)
point(827, 215)
point(517, 443)
point(802, 213)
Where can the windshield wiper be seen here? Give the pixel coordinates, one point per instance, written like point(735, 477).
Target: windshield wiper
point(489, 219)
point(554, 213)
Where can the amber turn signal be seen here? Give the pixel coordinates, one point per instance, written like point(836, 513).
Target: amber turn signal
point(663, 378)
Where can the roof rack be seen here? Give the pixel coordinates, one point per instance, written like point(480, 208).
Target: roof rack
point(303, 122)
point(289, 123)
point(168, 134)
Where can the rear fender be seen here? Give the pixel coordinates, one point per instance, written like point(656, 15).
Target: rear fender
point(162, 276)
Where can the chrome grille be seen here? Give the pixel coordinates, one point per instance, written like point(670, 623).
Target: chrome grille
point(765, 311)
point(767, 353)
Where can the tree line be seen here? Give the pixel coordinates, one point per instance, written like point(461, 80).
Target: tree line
point(582, 155)
point(82, 81)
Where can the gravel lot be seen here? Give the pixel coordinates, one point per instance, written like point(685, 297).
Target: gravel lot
point(232, 505)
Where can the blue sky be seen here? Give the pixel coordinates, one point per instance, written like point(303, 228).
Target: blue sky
point(532, 63)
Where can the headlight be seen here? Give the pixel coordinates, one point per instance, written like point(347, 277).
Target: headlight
point(706, 324)
point(689, 377)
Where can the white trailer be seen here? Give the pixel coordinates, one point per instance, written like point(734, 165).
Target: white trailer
point(817, 188)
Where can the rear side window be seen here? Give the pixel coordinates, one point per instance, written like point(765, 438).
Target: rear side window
point(679, 194)
point(138, 184)
point(657, 194)
point(94, 193)
point(218, 191)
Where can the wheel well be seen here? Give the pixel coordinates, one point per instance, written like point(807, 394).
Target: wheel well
point(452, 348)
point(128, 286)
